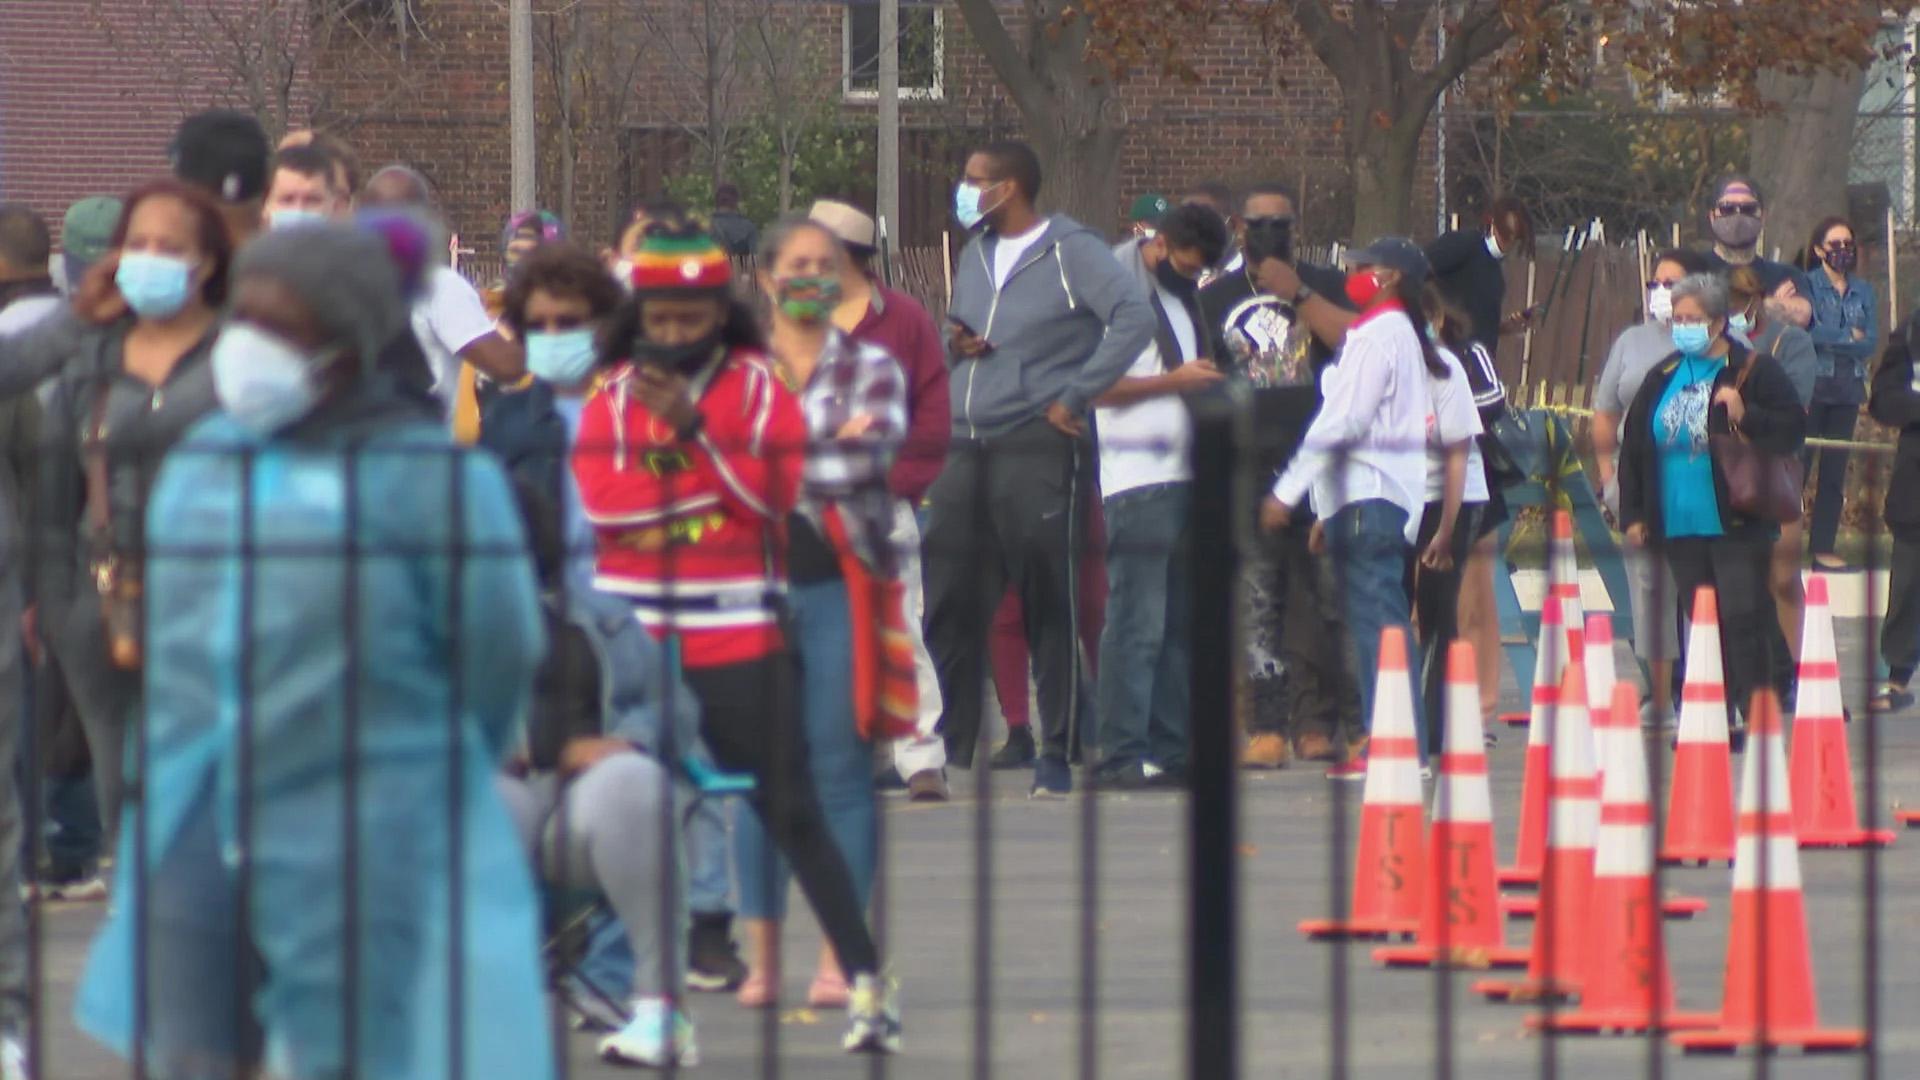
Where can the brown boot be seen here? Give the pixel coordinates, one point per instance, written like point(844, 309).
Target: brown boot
point(1315, 746)
point(1265, 751)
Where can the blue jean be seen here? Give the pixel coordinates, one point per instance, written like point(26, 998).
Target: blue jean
point(709, 865)
point(1141, 696)
point(1368, 542)
point(840, 762)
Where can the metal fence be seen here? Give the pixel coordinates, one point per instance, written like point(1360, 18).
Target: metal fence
point(287, 730)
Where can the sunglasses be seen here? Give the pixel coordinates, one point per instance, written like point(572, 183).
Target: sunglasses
point(1729, 209)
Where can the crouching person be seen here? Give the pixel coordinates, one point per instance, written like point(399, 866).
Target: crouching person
point(594, 794)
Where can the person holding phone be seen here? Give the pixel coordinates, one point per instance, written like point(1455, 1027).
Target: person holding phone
point(689, 460)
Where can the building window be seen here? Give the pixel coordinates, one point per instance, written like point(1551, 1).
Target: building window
point(922, 52)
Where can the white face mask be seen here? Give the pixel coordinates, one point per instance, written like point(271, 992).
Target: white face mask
point(263, 381)
point(1660, 303)
point(1493, 247)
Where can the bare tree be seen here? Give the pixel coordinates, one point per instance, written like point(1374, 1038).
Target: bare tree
point(594, 52)
point(701, 42)
point(798, 89)
point(261, 55)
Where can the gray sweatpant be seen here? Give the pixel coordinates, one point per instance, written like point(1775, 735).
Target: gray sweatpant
point(613, 829)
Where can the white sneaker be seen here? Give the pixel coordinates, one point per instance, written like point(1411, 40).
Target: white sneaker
point(13, 1059)
point(873, 1017)
point(658, 1035)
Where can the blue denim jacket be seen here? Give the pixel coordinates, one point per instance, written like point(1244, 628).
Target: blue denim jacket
point(1835, 317)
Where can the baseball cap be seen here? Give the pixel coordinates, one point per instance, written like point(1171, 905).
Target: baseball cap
point(1393, 253)
point(223, 151)
point(1147, 208)
point(853, 227)
point(86, 231)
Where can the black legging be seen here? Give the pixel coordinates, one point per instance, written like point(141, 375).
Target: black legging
point(1436, 610)
point(748, 718)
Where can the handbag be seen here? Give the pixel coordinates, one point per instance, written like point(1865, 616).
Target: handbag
point(116, 579)
point(1760, 485)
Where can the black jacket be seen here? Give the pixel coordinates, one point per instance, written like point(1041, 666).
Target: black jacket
point(1774, 421)
point(1894, 400)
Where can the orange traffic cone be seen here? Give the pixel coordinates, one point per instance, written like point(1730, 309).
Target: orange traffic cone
point(1700, 803)
point(1460, 926)
point(1769, 993)
point(1563, 585)
point(1561, 946)
point(1600, 671)
point(1390, 866)
point(1530, 846)
point(1628, 987)
point(1824, 814)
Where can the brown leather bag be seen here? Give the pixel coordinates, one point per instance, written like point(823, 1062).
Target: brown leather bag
point(1760, 485)
point(115, 577)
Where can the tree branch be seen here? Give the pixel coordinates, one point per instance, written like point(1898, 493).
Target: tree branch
point(1481, 32)
point(1330, 39)
point(1006, 57)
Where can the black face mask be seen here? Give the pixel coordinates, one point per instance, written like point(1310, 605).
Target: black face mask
point(1174, 281)
point(1269, 238)
point(684, 359)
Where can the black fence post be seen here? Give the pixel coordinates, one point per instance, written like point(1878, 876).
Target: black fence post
point(1213, 986)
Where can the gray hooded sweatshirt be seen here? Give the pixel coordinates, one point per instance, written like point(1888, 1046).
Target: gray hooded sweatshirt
point(1065, 327)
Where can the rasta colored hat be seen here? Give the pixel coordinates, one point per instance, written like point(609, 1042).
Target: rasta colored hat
point(687, 262)
point(541, 225)
point(1148, 209)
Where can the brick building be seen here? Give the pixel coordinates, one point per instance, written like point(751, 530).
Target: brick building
point(425, 81)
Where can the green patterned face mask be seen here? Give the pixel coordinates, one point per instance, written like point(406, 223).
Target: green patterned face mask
point(808, 300)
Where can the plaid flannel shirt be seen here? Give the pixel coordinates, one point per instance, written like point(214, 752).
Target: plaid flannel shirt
point(850, 380)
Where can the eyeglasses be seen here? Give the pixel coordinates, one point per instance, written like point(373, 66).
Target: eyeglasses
point(1729, 209)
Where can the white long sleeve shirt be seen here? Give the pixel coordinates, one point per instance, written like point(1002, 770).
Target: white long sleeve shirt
point(1374, 408)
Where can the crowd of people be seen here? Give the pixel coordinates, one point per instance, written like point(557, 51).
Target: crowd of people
point(378, 620)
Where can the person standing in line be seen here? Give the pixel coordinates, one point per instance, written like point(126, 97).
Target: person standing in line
point(1748, 318)
point(733, 230)
point(1638, 350)
point(1467, 267)
point(1673, 492)
point(224, 153)
point(449, 318)
point(1736, 219)
point(689, 459)
point(302, 191)
point(1895, 402)
point(1846, 331)
point(1146, 480)
point(1364, 460)
point(1043, 321)
point(321, 730)
point(870, 313)
point(1143, 218)
point(1457, 497)
point(1275, 323)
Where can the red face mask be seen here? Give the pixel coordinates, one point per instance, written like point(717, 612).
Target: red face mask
point(1363, 288)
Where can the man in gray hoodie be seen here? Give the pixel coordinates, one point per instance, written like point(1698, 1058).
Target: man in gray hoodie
point(1043, 321)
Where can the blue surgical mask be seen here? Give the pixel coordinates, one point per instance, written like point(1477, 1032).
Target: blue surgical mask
point(262, 380)
point(563, 358)
point(1739, 323)
point(294, 217)
point(1691, 339)
point(154, 286)
point(966, 205)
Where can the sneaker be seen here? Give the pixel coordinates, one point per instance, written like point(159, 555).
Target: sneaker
point(928, 785)
point(1165, 777)
point(1052, 779)
point(1265, 751)
point(13, 1059)
point(659, 1035)
point(1120, 778)
point(873, 1017)
point(89, 889)
point(1017, 752)
point(713, 962)
point(1354, 768)
point(1426, 772)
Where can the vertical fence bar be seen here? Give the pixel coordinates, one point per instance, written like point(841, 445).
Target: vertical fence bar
point(1869, 654)
point(971, 560)
point(456, 706)
point(1213, 1003)
point(350, 677)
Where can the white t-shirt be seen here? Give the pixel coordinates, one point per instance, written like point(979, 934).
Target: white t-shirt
point(1453, 420)
point(1008, 252)
point(1149, 441)
point(1371, 427)
point(26, 311)
point(447, 318)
